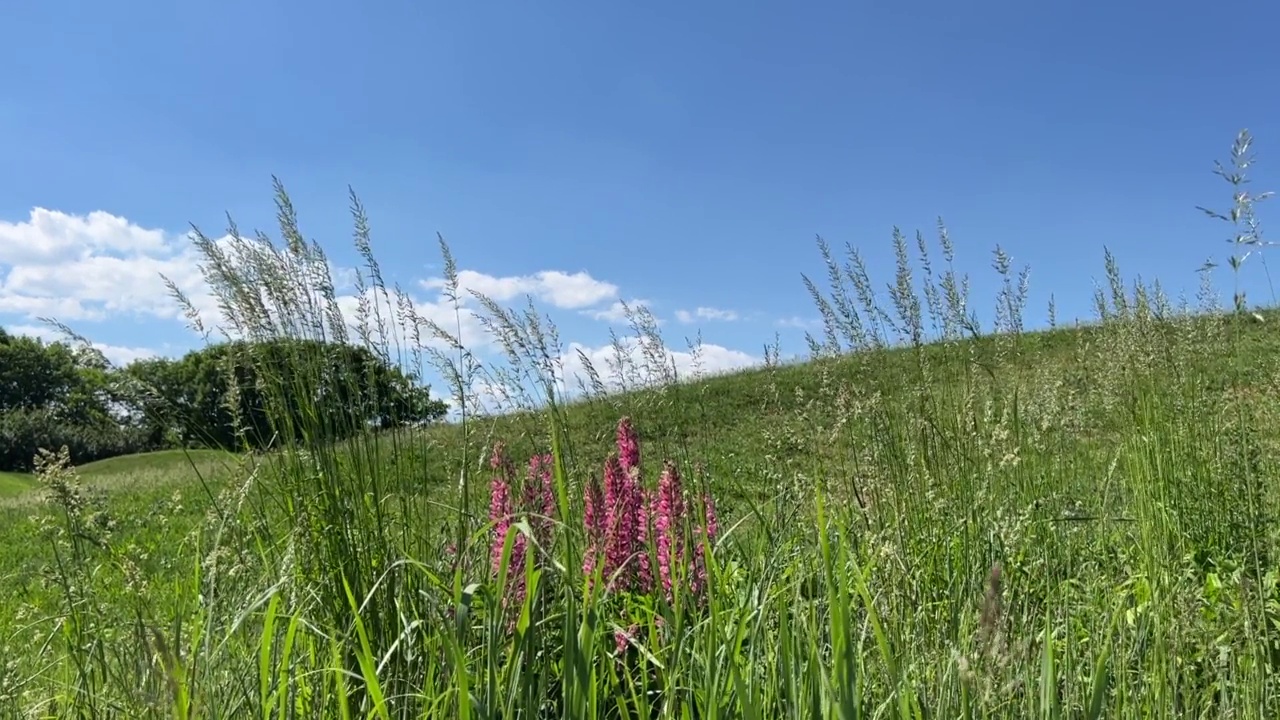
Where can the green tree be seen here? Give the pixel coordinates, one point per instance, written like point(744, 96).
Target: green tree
point(158, 400)
point(53, 395)
point(238, 394)
point(34, 375)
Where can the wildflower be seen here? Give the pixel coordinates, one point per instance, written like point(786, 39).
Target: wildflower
point(501, 512)
point(539, 495)
point(712, 527)
point(623, 638)
point(627, 526)
point(629, 458)
point(628, 446)
point(698, 581)
point(623, 499)
point(668, 510)
point(644, 521)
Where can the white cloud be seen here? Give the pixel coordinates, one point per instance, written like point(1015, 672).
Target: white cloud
point(101, 266)
point(118, 355)
point(562, 290)
point(637, 360)
point(92, 287)
point(464, 325)
point(86, 267)
point(796, 321)
point(98, 266)
point(50, 237)
point(616, 313)
point(121, 356)
point(706, 313)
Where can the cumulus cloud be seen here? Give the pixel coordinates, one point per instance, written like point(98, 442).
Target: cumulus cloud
point(86, 267)
point(49, 237)
point(617, 312)
point(562, 290)
point(119, 355)
point(99, 266)
point(463, 324)
point(706, 313)
point(634, 362)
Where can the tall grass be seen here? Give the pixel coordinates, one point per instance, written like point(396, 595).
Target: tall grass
point(933, 518)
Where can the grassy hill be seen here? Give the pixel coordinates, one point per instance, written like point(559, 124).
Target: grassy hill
point(14, 483)
point(1073, 523)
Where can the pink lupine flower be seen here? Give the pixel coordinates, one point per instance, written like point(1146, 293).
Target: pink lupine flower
point(668, 511)
point(501, 512)
point(498, 459)
point(639, 500)
point(622, 506)
point(698, 581)
point(623, 638)
point(627, 526)
point(712, 526)
point(543, 483)
point(539, 495)
point(628, 446)
point(500, 507)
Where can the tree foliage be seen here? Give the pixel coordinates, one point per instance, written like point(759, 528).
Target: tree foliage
point(53, 395)
point(234, 395)
point(254, 394)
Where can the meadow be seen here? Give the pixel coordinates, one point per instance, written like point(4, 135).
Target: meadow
point(931, 517)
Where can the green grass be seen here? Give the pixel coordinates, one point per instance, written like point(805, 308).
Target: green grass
point(163, 462)
point(15, 483)
point(765, 459)
point(1076, 523)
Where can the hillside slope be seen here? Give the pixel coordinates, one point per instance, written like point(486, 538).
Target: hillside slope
point(1109, 482)
point(770, 415)
point(12, 484)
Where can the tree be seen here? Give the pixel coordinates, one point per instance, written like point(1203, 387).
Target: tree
point(256, 394)
point(157, 400)
point(53, 395)
point(230, 395)
point(34, 375)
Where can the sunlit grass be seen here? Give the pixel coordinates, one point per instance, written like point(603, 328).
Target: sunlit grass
point(935, 517)
point(15, 483)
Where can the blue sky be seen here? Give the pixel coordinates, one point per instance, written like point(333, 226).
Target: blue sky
point(684, 154)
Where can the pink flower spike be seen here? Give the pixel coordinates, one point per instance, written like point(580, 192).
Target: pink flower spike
point(623, 638)
point(698, 582)
point(498, 459)
point(539, 496)
point(709, 510)
point(628, 446)
point(644, 523)
point(621, 499)
point(500, 511)
point(668, 512)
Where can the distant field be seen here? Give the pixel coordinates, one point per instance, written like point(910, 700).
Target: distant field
point(15, 483)
point(153, 502)
point(164, 462)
